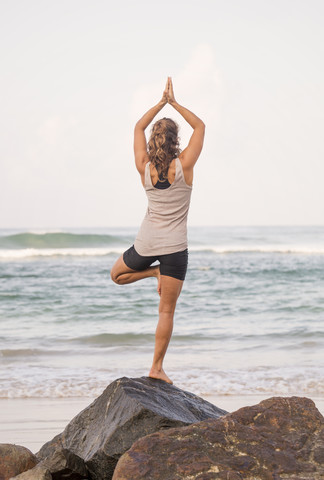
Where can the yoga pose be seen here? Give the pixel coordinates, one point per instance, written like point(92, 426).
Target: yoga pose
point(167, 175)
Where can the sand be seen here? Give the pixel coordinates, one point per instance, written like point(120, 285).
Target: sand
point(31, 422)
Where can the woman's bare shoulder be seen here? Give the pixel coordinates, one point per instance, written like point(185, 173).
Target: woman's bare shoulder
point(187, 170)
point(183, 159)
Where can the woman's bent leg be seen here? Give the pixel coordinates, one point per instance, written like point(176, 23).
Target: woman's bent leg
point(121, 274)
point(170, 291)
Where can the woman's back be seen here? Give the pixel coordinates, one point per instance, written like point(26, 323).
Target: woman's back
point(164, 228)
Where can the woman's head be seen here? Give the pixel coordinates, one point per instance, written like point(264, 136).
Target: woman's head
point(163, 145)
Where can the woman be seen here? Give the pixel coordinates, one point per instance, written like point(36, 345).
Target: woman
point(166, 174)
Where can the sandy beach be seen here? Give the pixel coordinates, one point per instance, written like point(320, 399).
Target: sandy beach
point(31, 422)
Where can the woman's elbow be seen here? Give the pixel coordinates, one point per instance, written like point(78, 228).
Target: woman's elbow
point(200, 125)
point(138, 125)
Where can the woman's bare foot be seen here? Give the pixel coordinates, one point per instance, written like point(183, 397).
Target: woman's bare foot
point(158, 276)
point(160, 375)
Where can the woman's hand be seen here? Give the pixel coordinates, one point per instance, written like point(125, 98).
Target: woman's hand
point(164, 99)
point(167, 97)
point(170, 94)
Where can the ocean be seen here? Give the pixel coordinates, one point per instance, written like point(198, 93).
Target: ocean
point(249, 320)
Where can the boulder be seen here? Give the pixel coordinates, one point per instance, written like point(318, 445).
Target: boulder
point(65, 464)
point(36, 473)
point(280, 438)
point(127, 410)
point(15, 459)
point(62, 464)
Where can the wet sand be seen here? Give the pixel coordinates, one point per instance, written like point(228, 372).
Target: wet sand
point(31, 422)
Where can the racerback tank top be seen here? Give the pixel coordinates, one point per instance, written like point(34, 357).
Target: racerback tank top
point(164, 228)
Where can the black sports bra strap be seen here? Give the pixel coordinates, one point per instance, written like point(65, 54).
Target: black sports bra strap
point(162, 185)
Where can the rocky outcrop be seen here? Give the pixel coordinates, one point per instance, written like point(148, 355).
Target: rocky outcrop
point(280, 438)
point(15, 459)
point(127, 410)
point(160, 432)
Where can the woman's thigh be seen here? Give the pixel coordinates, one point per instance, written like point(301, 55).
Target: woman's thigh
point(119, 268)
point(135, 261)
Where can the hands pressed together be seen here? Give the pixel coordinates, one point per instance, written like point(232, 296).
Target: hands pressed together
point(168, 95)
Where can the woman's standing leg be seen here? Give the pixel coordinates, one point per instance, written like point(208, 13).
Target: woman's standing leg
point(170, 289)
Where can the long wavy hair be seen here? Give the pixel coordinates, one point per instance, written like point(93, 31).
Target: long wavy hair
point(163, 145)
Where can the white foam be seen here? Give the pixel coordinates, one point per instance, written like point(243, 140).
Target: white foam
point(269, 381)
point(11, 254)
point(43, 232)
point(57, 252)
point(259, 249)
point(262, 380)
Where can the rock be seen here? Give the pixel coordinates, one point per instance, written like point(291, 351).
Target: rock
point(62, 464)
point(65, 464)
point(127, 410)
point(15, 459)
point(36, 473)
point(280, 438)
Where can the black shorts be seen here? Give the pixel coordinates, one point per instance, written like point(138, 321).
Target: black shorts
point(172, 265)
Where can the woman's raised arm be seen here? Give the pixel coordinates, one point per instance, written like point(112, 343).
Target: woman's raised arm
point(191, 153)
point(140, 146)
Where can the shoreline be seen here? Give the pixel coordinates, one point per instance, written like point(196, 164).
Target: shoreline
point(31, 422)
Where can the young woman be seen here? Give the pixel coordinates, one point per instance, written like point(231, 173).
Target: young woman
point(167, 174)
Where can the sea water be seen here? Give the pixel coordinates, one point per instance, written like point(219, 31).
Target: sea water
point(249, 320)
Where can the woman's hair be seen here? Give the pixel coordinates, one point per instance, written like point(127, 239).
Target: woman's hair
point(163, 145)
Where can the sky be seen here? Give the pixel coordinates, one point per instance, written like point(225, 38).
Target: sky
point(77, 75)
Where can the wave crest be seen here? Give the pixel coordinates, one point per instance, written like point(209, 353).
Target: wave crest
point(30, 240)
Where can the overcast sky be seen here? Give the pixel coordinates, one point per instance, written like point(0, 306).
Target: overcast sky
point(76, 75)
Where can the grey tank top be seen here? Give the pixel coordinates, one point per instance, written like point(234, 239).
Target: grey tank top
point(164, 228)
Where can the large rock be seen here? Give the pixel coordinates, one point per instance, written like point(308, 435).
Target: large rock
point(127, 410)
point(37, 473)
point(15, 459)
point(62, 464)
point(65, 464)
point(280, 438)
